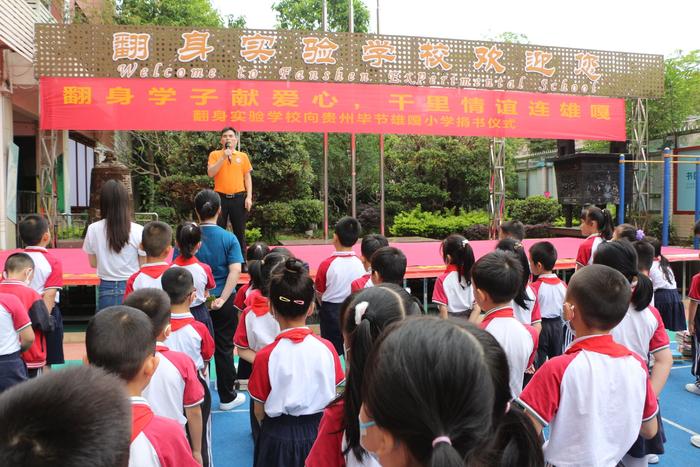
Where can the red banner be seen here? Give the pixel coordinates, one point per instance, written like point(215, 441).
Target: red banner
point(159, 104)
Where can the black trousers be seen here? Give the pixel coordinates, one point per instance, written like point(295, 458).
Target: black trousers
point(329, 317)
point(233, 208)
point(206, 424)
point(225, 321)
point(551, 340)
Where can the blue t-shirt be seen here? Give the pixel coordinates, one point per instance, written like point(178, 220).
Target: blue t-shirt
point(219, 249)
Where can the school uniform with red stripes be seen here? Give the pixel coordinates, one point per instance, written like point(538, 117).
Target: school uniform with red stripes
point(35, 357)
point(454, 292)
point(203, 282)
point(13, 319)
point(550, 292)
point(147, 277)
point(156, 441)
point(295, 378)
point(587, 249)
point(363, 282)
point(594, 399)
point(518, 340)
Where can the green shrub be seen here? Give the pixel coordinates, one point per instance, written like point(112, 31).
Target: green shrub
point(252, 235)
point(436, 225)
point(655, 229)
point(166, 214)
point(476, 232)
point(305, 213)
point(561, 222)
point(275, 216)
point(70, 232)
point(534, 210)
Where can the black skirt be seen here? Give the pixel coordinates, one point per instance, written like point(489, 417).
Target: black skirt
point(655, 445)
point(285, 441)
point(671, 309)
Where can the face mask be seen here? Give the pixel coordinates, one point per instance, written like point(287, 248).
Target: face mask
point(363, 433)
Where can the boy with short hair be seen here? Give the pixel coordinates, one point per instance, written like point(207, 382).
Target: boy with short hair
point(550, 292)
point(52, 420)
point(597, 397)
point(47, 281)
point(16, 336)
point(370, 244)
point(18, 273)
point(496, 277)
point(156, 242)
point(120, 340)
point(388, 266)
point(511, 229)
point(334, 278)
point(174, 386)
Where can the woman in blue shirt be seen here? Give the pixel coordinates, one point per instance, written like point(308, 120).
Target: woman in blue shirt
point(221, 251)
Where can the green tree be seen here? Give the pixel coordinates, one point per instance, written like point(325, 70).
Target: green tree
point(681, 97)
point(306, 14)
point(196, 13)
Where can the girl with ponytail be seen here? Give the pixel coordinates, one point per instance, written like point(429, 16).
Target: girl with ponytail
point(642, 331)
point(597, 226)
point(295, 377)
point(453, 292)
point(364, 315)
point(427, 396)
point(666, 297)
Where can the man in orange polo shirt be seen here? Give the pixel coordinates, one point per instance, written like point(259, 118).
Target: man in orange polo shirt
point(231, 172)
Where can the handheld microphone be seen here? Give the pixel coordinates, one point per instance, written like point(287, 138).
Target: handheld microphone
point(228, 146)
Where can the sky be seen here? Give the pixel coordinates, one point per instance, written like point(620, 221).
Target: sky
point(642, 26)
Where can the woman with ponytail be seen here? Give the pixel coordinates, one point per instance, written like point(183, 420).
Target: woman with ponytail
point(597, 226)
point(666, 297)
point(453, 292)
point(642, 331)
point(363, 315)
point(295, 377)
point(221, 251)
point(428, 396)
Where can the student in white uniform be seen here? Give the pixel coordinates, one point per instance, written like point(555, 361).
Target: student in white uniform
point(666, 297)
point(174, 390)
point(525, 305)
point(295, 377)
point(453, 292)
point(364, 315)
point(497, 277)
point(642, 331)
point(596, 397)
point(370, 244)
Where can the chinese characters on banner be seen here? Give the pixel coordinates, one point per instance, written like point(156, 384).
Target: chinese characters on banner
point(152, 104)
point(174, 53)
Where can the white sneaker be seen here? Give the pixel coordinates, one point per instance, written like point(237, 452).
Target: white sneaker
point(652, 459)
point(238, 401)
point(693, 387)
point(695, 441)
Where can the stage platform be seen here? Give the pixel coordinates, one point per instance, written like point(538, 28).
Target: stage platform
point(424, 259)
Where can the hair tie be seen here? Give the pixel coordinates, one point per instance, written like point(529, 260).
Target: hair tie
point(360, 310)
point(640, 234)
point(465, 242)
point(284, 299)
point(517, 246)
point(442, 439)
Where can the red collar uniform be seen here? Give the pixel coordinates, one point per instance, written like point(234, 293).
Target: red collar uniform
point(174, 385)
point(201, 275)
point(587, 249)
point(363, 282)
point(519, 342)
point(257, 327)
point(147, 277)
point(594, 398)
point(35, 307)
point(335, 275)
point(457, 295)
point(156, 441)
point(192, 338)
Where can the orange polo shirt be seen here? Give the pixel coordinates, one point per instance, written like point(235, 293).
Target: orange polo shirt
point(229, 179)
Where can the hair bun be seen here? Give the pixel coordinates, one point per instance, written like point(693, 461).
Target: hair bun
point(294, 265)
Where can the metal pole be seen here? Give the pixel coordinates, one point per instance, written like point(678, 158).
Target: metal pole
point(351, 17)
point(353, 164)
point(324, 16)
point(696, 240)
point(667, 196)
point(325, 186)
point(377, 16)
point(382, 218)
point(621, 185)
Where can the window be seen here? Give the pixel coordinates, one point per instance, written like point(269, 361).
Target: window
point(81, 162)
